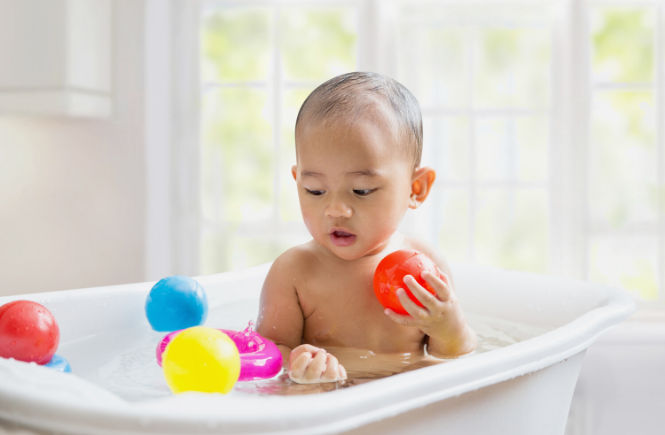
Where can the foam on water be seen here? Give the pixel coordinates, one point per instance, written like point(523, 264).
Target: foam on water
point(123, 361)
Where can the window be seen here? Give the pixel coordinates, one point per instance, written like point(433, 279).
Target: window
point(482, 76)
point(259, 63)
point(542, 119)
point(625, 171)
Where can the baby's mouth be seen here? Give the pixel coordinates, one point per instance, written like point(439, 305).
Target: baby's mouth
point(342, 238)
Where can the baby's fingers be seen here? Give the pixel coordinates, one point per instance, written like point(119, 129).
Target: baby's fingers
point(440, 285)
point(333, 372)
point(299, 365)
point(342, 372)
point(411, 307)
point(316, 368)
point(426, 298)
point(295, 354)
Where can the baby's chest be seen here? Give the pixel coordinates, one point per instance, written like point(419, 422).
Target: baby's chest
point(339, 293)
point(345, 312)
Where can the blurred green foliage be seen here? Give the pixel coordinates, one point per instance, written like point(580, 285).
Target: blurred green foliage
point(233, 124)
point(623, 44)
point(623, 187)
point(623, 164)
point(235, 44)
point(513, 67)
point(317, 44)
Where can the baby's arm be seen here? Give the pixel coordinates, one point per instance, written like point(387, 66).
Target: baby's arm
point(281, 320)
point(441, 318)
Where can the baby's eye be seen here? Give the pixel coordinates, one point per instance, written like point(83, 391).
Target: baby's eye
point(363, 192)
point(315, 192)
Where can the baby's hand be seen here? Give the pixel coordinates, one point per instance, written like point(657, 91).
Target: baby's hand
point(441, 318)
point(312, 365)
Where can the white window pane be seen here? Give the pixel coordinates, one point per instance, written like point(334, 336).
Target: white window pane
point(235, 44)
point(433, 66)
point(623, 44)
point(453, 224)
point(215, 252)
point(512, 148)
point(289, 206)
point(446, 147)
point(233, 251)
point(628, 262)
point(512, 68)
point(237, 155)
point(512, 229)
point(532, 145)
point(623, 158)
point(317, 44)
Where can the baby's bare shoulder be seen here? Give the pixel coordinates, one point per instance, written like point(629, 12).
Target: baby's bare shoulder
point(432, 252)
point(290, 267)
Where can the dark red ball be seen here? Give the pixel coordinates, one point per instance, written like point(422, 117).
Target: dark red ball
point(390, 273)
point(28, 332)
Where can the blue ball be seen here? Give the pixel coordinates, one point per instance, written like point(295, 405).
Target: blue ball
point(59, 363)
point(176, 302)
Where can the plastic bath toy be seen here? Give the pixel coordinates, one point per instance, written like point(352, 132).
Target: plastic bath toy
point(176, 302)
point(59, 364)
point(28, 332)
point(259, 358)
point(390, 273)
point(201, 359)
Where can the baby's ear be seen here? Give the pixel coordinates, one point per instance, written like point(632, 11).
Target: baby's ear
point(293, 171)
point(421, 184)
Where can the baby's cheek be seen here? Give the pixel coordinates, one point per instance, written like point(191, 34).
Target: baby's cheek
point(307, 220)
point(387, 220)
point(311, 225)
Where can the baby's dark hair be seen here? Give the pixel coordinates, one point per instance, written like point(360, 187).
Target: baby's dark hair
point(346, 96)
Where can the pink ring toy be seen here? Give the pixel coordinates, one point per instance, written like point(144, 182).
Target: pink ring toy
point(259, 358)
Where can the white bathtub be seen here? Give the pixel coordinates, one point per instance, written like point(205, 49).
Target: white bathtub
point(525, 388)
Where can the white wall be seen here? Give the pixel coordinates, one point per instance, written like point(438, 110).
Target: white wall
point(621, 388)
point(72, 191)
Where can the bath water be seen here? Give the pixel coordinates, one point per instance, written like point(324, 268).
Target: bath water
point(124, 362)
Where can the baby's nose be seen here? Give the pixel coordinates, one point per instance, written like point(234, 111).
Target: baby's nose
point(337, 209)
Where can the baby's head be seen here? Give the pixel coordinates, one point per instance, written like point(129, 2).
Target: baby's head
point(358, 147)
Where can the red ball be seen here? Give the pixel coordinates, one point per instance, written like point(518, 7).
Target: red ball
point(28, 332)
point(390, 273)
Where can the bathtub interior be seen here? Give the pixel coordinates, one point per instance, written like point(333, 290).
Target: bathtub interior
point(99, 324)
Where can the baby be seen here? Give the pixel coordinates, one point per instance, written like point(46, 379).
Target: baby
point(358, 147)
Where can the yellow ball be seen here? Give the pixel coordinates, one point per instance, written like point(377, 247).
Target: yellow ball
point(201, 359)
